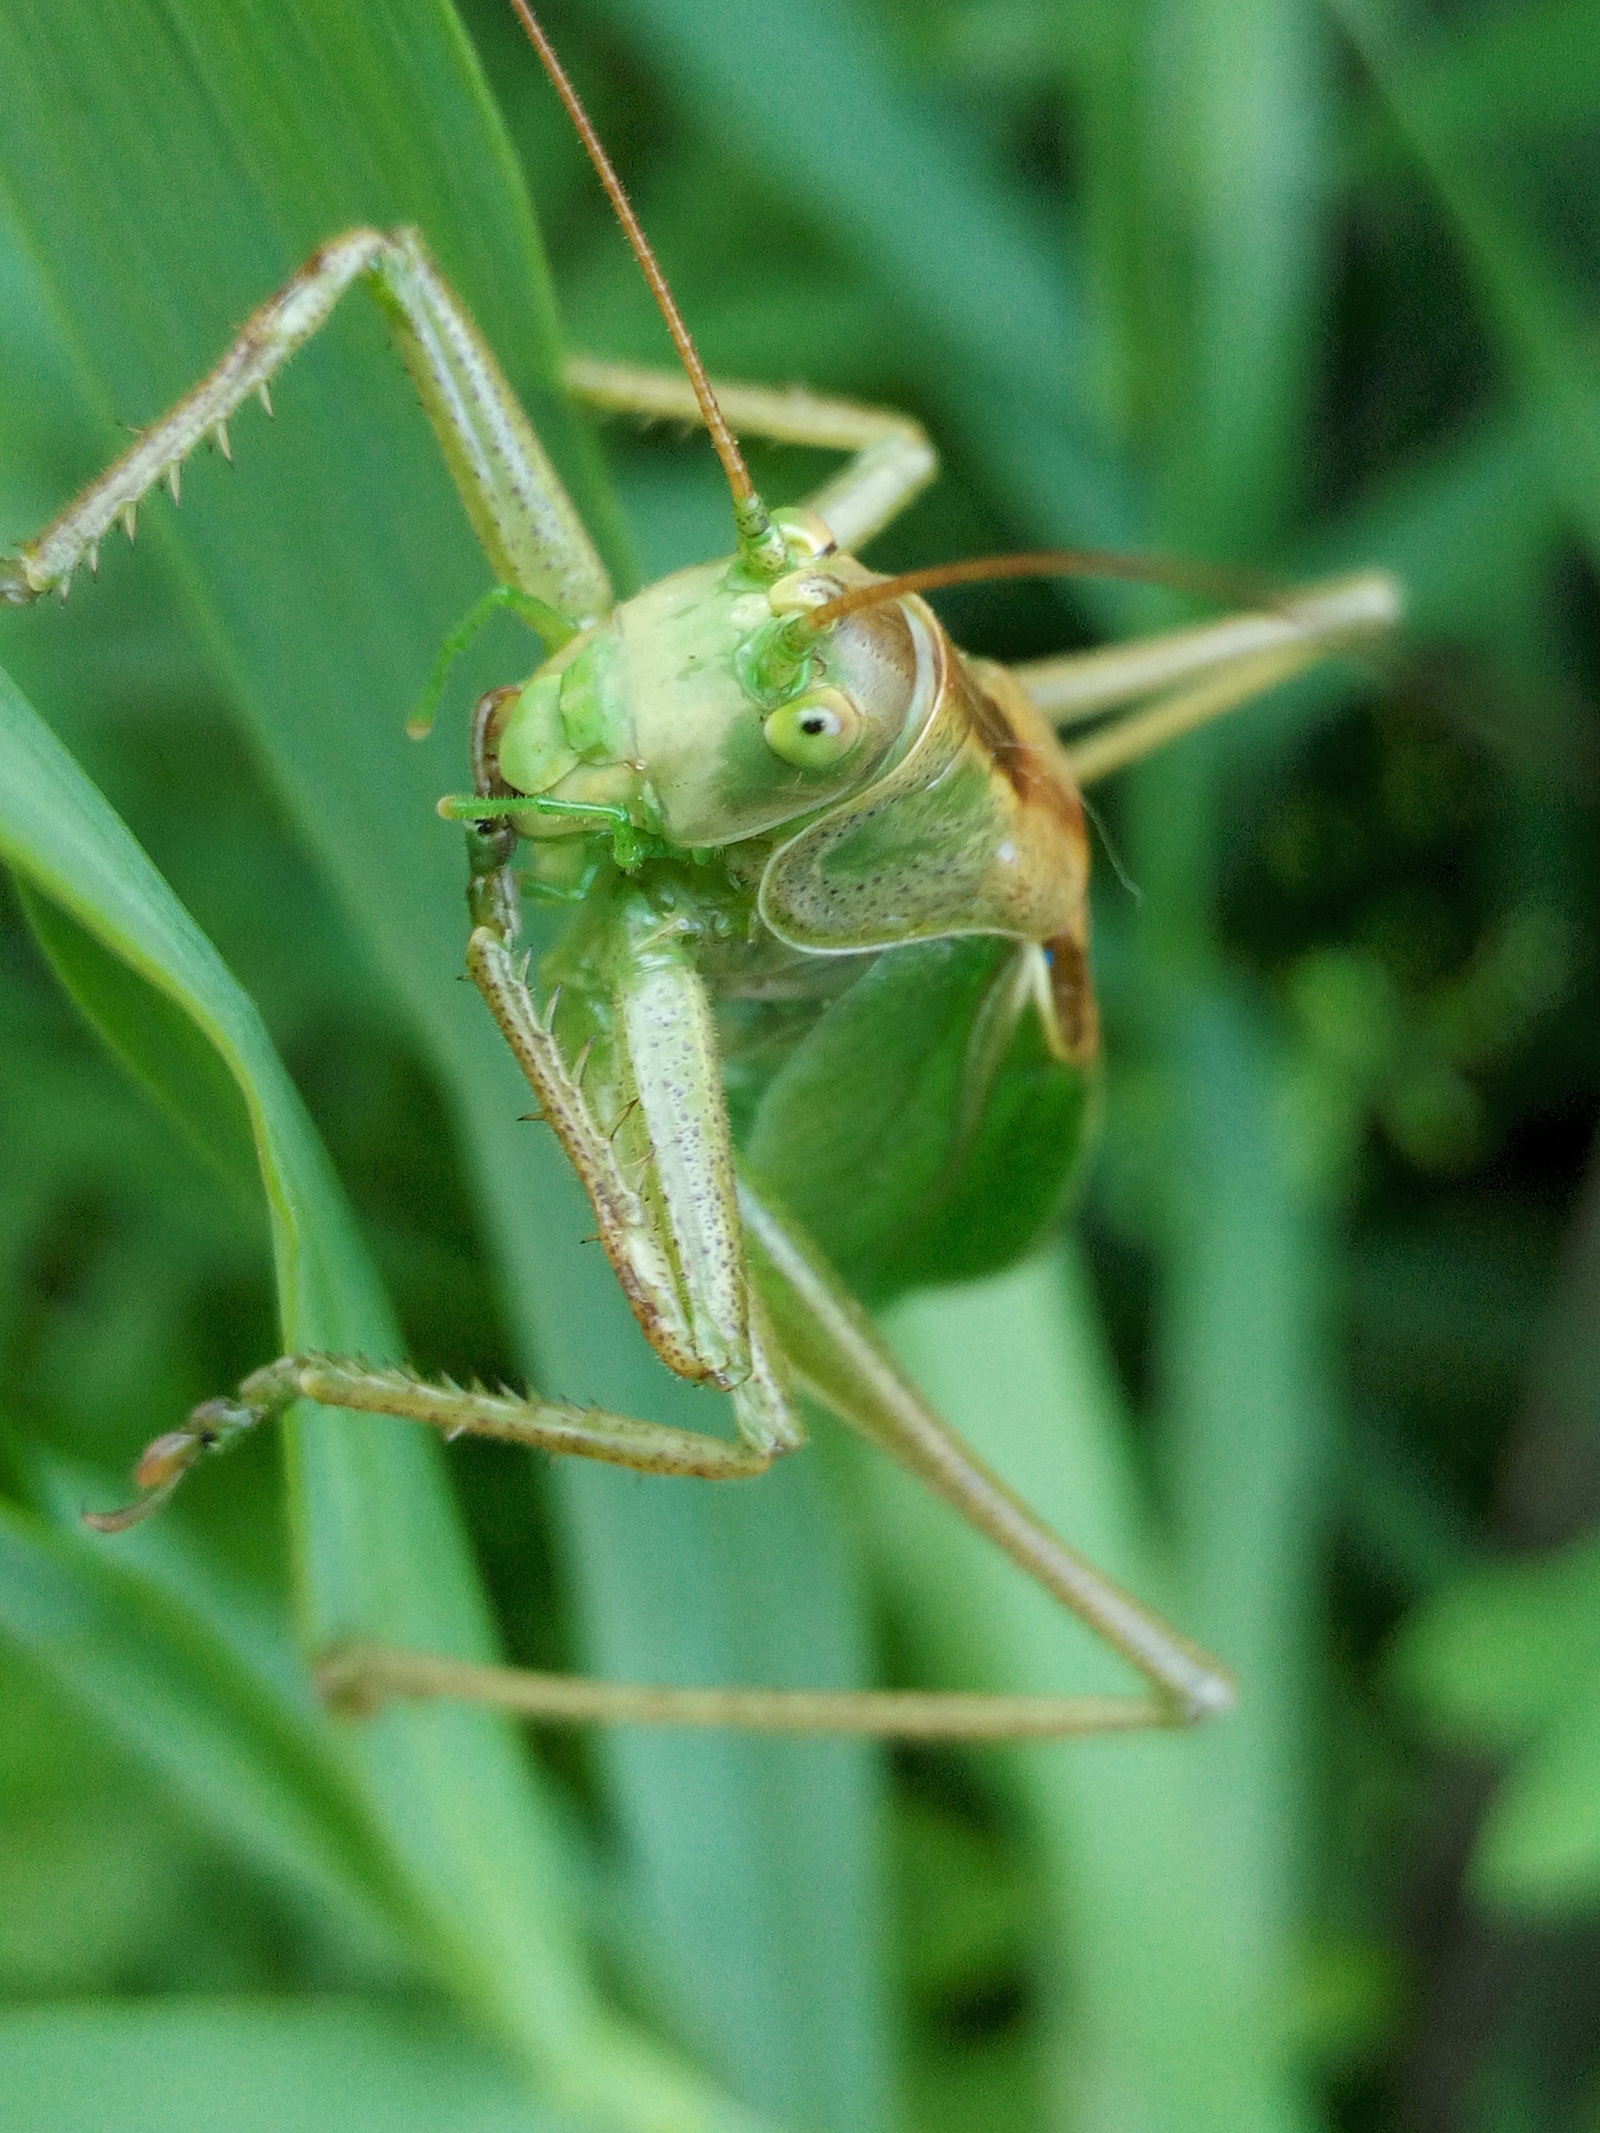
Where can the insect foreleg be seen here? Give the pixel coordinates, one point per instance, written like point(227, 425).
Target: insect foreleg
point(514, 499)
point(674, 1238)
point(892, 458)
point(739, 1357)
point(631, 1242)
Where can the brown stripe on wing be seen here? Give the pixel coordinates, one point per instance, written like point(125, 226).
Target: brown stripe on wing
point(1026, 752)
point(1023, 746)
point(1072, 995)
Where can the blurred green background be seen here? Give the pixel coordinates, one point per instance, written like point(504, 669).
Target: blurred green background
point(1317, 1362)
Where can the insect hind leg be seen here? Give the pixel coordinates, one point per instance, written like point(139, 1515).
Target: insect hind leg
point(891, 458)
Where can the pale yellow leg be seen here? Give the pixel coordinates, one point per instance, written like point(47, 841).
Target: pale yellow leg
point(529, 529)
point(1197, 674)
point(837, 1356)
point(359, 1677)
point(683, 1271)
point(892, 458)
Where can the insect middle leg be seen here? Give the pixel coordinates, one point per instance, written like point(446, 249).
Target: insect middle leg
point(891, 460)
point(673, 1234)
point(672, 1231)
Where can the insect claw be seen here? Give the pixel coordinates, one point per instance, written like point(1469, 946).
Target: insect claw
point(263, 395)
point(219, 430)
point(175, 481)
point(130, 521)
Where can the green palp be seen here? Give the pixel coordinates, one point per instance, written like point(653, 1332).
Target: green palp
point(553, 631)
point(629, 844)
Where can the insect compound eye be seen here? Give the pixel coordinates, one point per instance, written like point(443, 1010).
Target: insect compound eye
point(815, 730)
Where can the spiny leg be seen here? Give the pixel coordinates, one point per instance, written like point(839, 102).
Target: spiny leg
point(674, 1062)
point(1197, 674)
point(625, 1231)
point(678, 1252)
point(700, 1261)
point(347, 1381)
point(672, 1231)
point(838, 1358)
point(892, 457)
point(767, 1422)
point(514, 499)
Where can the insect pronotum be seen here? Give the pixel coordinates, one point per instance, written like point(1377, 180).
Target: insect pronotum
point(791, 820)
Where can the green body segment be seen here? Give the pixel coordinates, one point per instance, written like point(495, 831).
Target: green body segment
point(875, 917)
point(902, 1106)
point(918, 1126)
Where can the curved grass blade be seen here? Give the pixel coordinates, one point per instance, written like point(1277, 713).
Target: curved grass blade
point(255, 1768)
point(1171, 1864)
point(485, 1886)
point(321, 582)
point(1480, 162)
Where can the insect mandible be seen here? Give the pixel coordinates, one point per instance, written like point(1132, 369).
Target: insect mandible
point(792, 821)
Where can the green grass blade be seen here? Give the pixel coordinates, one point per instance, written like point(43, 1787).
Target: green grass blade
point(322, 575)
point(155, 1039)
point(1174, 2010)
point(486, 1887)
point(263, 1775)
point(1208, 218)
point(1242, 1372)
point(160, 2067)
point(1489, 185)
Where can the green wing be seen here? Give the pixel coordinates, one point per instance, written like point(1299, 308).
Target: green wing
point(920, 1129)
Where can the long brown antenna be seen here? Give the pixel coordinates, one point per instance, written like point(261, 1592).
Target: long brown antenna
point(757, 536)
point(1225, 586)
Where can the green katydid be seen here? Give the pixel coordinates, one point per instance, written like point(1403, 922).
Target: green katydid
point(828, 878)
